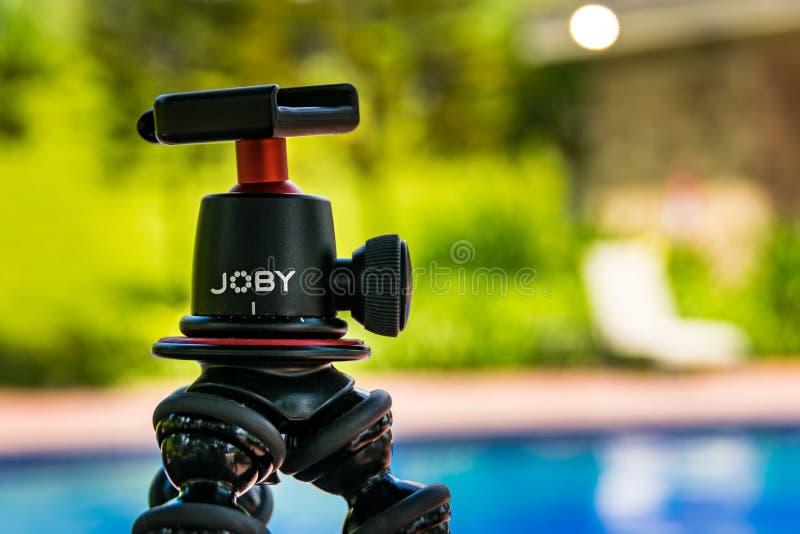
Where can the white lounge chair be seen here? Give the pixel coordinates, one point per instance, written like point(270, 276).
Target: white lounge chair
point(632, 307)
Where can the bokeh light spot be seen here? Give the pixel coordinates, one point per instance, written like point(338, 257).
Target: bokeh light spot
point(594, 27)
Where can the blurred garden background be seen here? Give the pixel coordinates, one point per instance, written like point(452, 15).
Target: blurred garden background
point(476, 126)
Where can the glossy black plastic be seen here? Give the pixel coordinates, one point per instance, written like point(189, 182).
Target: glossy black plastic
point(263, 255)
point(218, 437)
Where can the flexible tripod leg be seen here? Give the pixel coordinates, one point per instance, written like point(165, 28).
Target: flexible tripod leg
point(224, 434)
point(215, 450)
point(346, 450)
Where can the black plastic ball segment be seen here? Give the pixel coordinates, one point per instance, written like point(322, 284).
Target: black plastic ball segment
point(267, 288)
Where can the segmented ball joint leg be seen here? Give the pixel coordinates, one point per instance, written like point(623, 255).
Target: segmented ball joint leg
point(220, 450)
point(214, 451)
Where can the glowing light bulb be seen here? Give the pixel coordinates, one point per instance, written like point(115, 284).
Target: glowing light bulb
point(594, 27)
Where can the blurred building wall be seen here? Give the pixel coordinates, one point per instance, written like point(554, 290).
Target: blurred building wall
point(717, 110)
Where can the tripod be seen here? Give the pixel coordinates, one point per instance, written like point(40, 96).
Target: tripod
point(264, 328)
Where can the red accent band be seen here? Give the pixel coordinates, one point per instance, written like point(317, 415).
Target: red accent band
point(262, 168)
point(261, 160)
point(261, 342)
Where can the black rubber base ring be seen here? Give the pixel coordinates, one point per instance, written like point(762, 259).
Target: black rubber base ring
point(196, 516)
point(404, 512)
point(256, 355)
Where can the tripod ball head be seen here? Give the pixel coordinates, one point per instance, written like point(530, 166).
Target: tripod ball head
point(265, 253)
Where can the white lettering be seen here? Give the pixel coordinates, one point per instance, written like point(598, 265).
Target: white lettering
point(224, 285)
point(285, 279)
point(265, 281)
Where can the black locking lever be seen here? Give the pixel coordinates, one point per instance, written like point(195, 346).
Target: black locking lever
point(256, 112)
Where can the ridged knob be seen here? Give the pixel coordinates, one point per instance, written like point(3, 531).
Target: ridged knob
point(377, 285)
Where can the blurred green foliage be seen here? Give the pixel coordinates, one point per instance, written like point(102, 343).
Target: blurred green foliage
point(459, 142)
point(766, 305)
point(99, 225)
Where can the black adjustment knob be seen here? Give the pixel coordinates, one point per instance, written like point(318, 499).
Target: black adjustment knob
point(375, 285)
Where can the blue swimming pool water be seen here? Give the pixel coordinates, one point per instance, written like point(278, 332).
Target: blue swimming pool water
point(728, 481)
